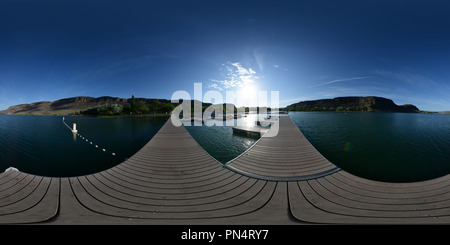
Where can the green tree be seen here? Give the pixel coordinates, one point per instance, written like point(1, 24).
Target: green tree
point(133, 104)
point(142, 108)
point(155, 105)
point(167, 107)
point(127, 109)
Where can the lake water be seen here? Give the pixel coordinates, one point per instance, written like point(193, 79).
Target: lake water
point(43, 145)
point(219, 140)
point(395, 147)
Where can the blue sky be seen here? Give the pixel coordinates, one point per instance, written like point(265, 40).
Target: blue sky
point(304, 49)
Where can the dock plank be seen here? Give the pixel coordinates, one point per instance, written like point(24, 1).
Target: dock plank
point(287, 156)
point(31, 201)
point(251, 130)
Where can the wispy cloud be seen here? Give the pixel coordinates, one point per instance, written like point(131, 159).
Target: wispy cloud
point(237, 76)
point(415, 88)
point(115, 65)
point(339, 80)
point(411, 78)
point(259, 58)
point(287, 102)
point(215, 86)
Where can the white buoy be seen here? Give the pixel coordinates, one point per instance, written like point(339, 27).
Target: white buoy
point(11, 169)
point(74, 128)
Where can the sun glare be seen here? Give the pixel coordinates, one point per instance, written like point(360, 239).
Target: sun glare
point(249, 94)
point(247, 90)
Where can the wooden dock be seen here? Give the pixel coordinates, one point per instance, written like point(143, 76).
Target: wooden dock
point(286, 157)
point(250, 130)
point(265, 123)
point(172, 180)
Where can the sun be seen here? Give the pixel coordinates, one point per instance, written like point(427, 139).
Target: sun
point(248, 94)
point(248, 89)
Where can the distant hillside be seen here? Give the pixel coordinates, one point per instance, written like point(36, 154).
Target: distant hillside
point(370, 103)
point(70, 105)
point(75, 105)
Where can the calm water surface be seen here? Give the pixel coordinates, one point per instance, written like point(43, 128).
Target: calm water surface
point(395, 147)
point(219, 140)
point(43, 145)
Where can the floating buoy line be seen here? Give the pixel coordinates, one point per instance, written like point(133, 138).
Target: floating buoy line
point(75, 131)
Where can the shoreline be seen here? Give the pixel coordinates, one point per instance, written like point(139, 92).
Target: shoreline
point(100, 116)
point(168, 115)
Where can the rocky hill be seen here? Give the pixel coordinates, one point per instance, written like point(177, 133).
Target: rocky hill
point(370, 103)
point(76, 104)
point(69, 105)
